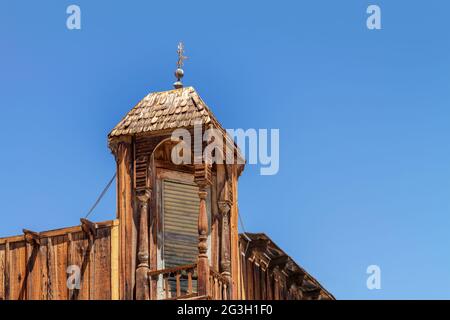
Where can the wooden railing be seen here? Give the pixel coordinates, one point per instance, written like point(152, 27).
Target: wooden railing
point(219, 286)
point(181, 283)
point(174, 283)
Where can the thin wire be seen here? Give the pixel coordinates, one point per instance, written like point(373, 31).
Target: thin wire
point(245, 234)
point(242, 222)
point(101, 195)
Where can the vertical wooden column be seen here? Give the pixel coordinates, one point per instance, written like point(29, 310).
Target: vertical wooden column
point(234, 234)
point(202, 262)
point(276, 284)
point(225, 262)
point(115, 295)
point(127, 227)
point(202, 178)
point(142, 283)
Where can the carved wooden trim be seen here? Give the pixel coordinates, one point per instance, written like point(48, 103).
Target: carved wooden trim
point(225, 263)
point(142, 283)
point(115, 145)
point(203, 224)
point(295, 280)
point(203, 263)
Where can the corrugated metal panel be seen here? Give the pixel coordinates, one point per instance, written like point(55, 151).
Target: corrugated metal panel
point(181, 206)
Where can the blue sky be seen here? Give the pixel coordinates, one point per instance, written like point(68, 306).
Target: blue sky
point(363, 116)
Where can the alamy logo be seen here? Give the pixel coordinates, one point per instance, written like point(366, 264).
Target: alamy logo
point(374, 279)
point(374, 20)
point(217, 146)
point(74, 278)
point(73, 21)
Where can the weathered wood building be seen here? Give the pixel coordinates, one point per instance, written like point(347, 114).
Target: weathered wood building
point(175, 235)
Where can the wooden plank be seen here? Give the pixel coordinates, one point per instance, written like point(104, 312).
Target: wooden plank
point(70, 259)
point(269, 285)
point(17, 270)
point(2, 272)
point(263, 284)
point(42, 274)
point(189, 290)
point(102, 265)
point(33, 266)
point(178, 284)
point(243, 277)
point(256, 281)
point(249, 282)
point(29, 261)
point(225, 292)
point(115, 261)
point(11, 239)
point(51, 273)
point(35, 279)
point(55, 232)
point(7, 276)
point(166, 286)
point(173, 270)
point(217, 288)
point(81, 259)
point(60, 250)
point(91, 255)
point(276, 287)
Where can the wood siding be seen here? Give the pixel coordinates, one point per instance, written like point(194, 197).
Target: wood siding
point(39, 271)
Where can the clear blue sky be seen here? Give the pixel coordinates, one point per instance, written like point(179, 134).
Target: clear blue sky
point(364, 119)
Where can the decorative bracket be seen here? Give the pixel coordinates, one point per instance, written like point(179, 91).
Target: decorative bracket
point(32, 237)
point(89, 227)
point(280, 262)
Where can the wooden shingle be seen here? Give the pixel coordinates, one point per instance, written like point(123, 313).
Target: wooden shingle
point(178, 108)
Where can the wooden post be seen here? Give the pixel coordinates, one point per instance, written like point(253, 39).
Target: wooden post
point(115, 260)
point(234, 235)
point(277, 283)
point(203, 263)
point(225, 204)
point(127, 221)
point(142, 283)
point(225, 262)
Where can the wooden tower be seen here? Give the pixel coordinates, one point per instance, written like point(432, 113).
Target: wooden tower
point(174, 217)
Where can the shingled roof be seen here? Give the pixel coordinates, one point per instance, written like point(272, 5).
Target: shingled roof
point(178, 108)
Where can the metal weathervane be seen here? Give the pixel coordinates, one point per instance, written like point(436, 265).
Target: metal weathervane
point(181, 56)
point(179, 73)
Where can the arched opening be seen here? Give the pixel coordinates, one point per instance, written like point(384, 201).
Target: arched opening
point(176, 217)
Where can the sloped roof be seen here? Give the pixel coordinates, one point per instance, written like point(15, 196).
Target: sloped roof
point(178, 108)
point(274, 252)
